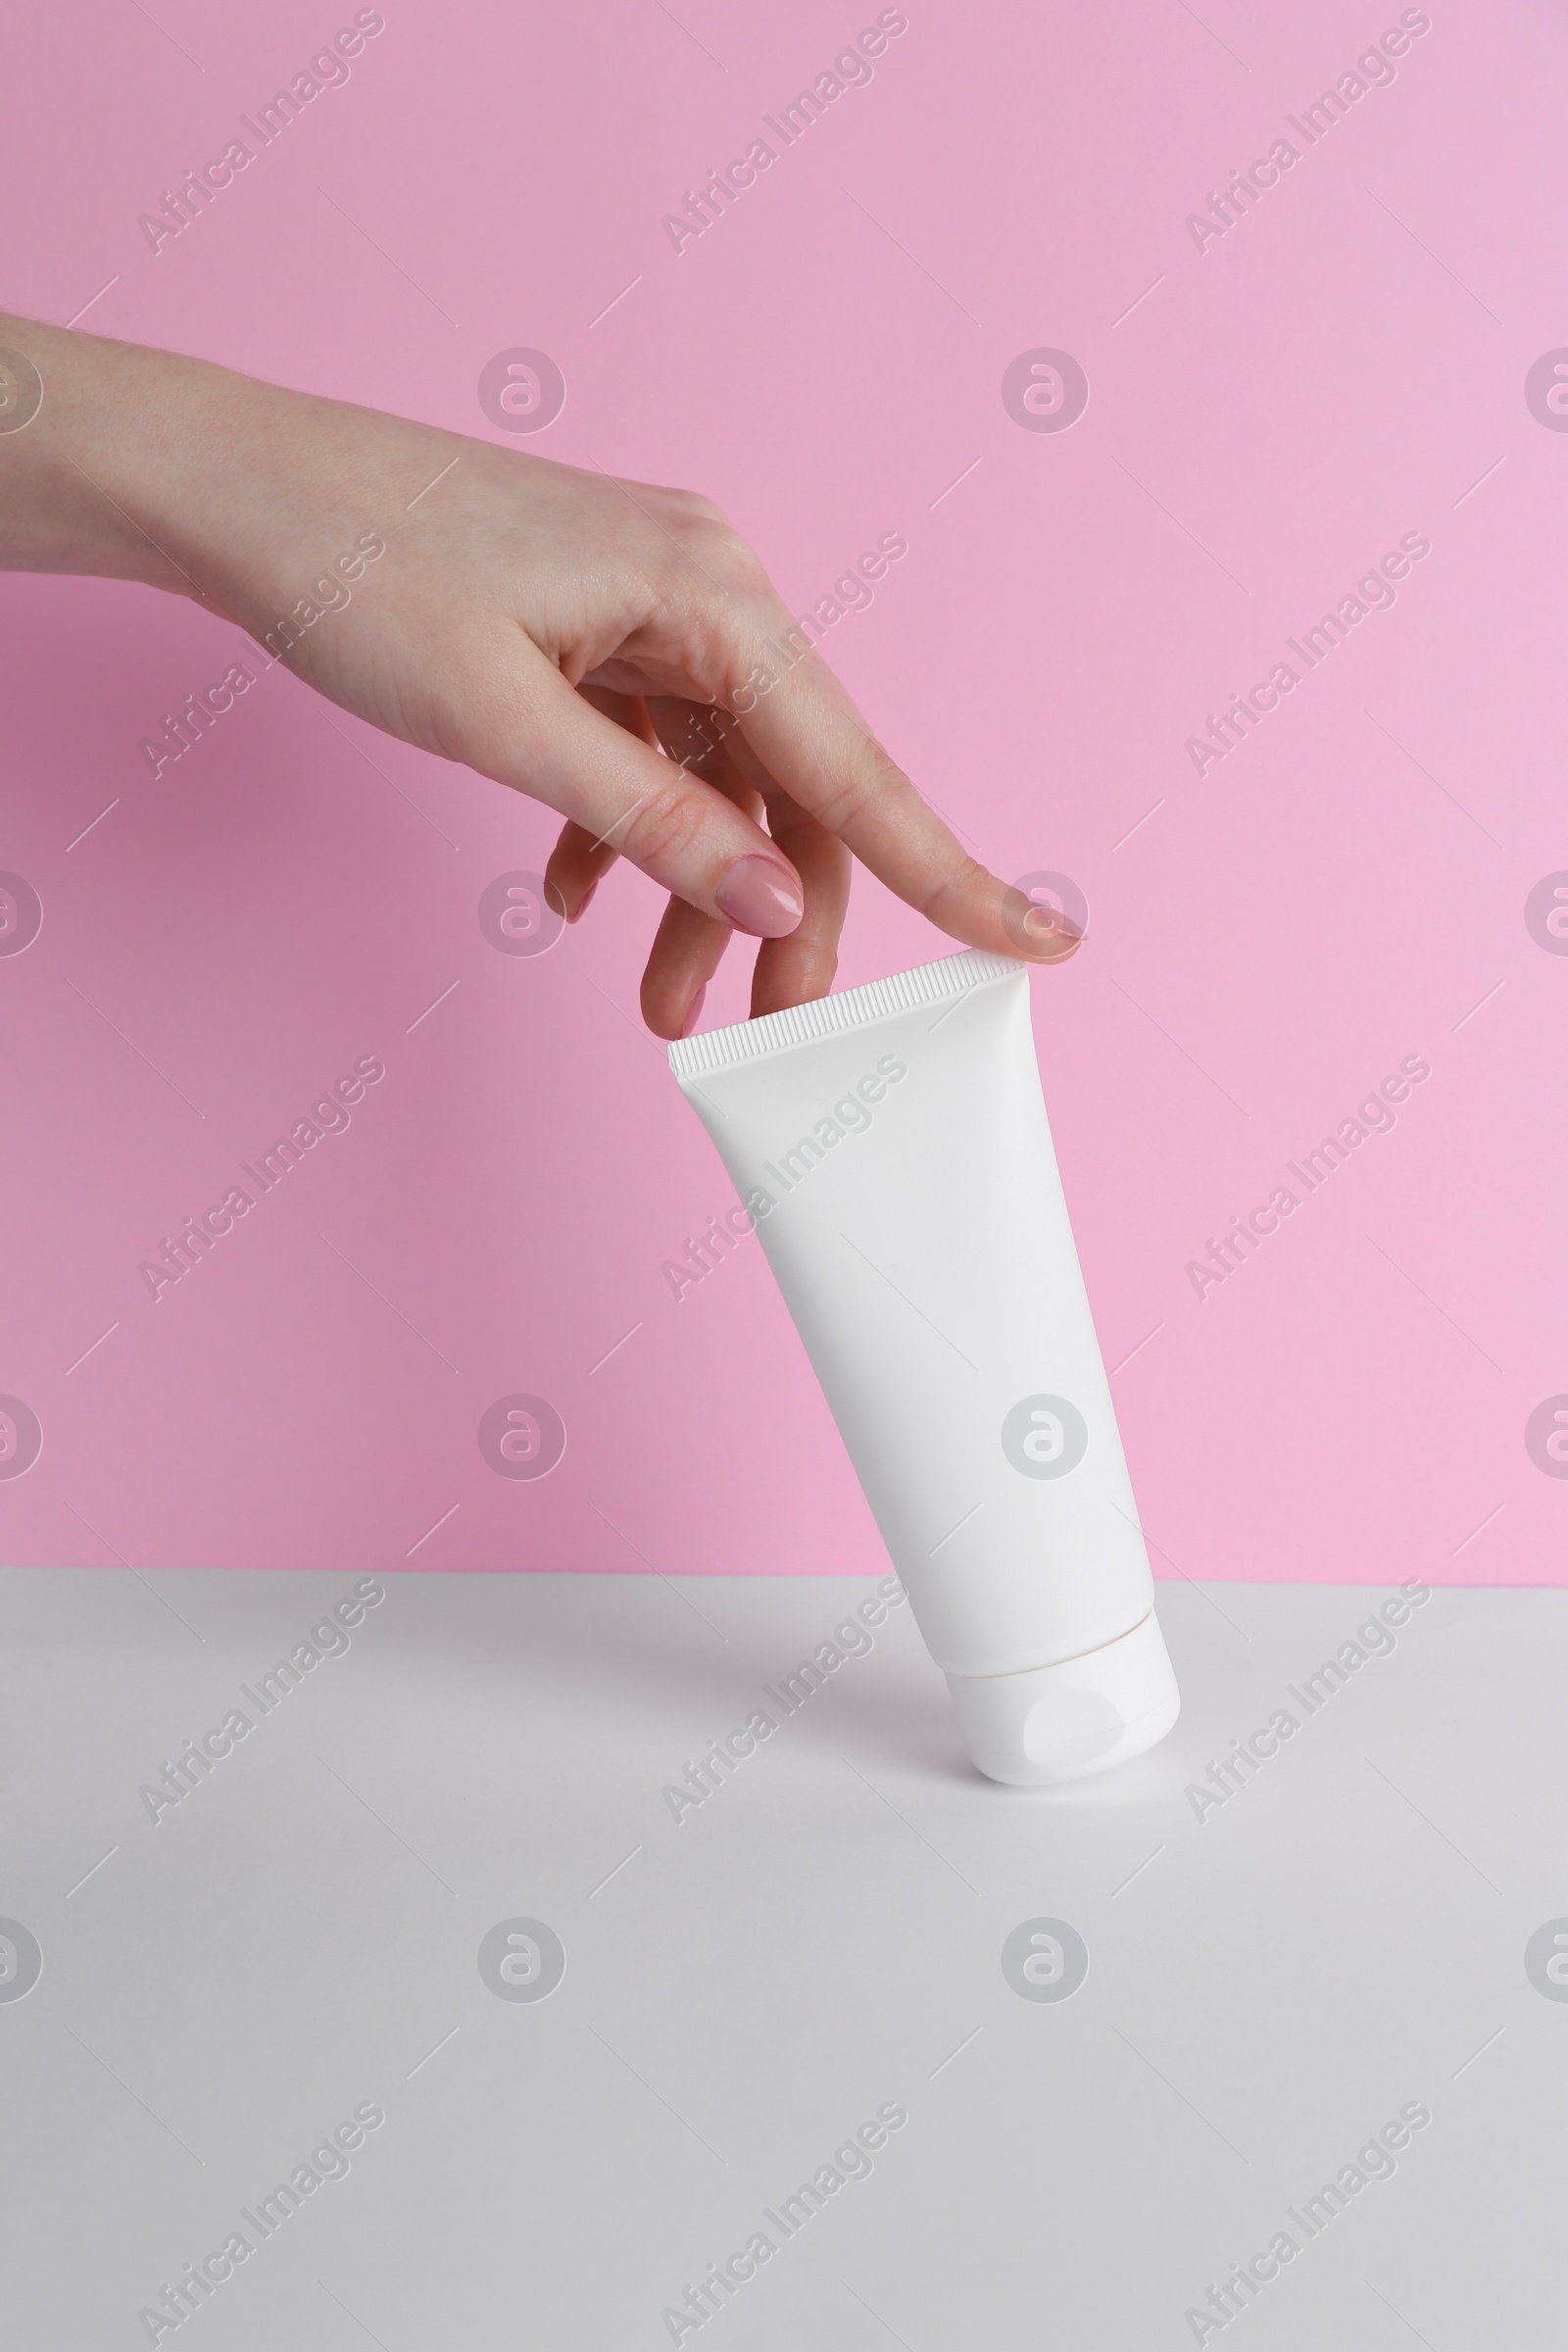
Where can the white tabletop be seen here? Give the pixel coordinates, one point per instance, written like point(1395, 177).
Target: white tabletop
point(1273, 1981)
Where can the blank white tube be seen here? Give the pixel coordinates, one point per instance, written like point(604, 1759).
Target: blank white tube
point(891, 1147)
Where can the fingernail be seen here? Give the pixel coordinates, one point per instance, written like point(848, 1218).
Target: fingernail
point(585, 902)
point(1048, 926)
point(694, 1011)
point(760, 896)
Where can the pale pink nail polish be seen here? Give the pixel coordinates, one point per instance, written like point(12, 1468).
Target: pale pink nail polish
point(760, 896)
point(694, 1011)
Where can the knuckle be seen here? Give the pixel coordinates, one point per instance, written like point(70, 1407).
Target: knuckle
point(681, 506)
point(702, 509)
point(668, 822)
point(725, 555)
point(874, 780)
point(959, 883)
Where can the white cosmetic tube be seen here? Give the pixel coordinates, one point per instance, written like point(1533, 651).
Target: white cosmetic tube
point(892, 1149)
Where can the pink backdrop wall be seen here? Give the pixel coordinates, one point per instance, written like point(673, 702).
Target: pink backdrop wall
point(1272, 408)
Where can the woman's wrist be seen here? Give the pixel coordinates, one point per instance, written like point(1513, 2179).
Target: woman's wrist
point(146, 465)
point(83, 481)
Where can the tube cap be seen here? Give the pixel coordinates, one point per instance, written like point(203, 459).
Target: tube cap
point(1060, 1723)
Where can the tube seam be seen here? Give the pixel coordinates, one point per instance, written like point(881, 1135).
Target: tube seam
point(829, 1016)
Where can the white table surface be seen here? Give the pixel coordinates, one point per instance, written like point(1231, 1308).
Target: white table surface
point(744, 1987)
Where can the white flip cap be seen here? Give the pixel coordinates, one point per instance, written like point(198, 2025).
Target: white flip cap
point(1060, 1723)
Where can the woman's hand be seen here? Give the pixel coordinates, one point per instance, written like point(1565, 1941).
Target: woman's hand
point(612, 649)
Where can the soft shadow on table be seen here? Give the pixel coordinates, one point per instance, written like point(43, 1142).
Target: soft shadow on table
point(687, 1661)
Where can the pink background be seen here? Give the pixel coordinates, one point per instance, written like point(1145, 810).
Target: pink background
point(1345, 365)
